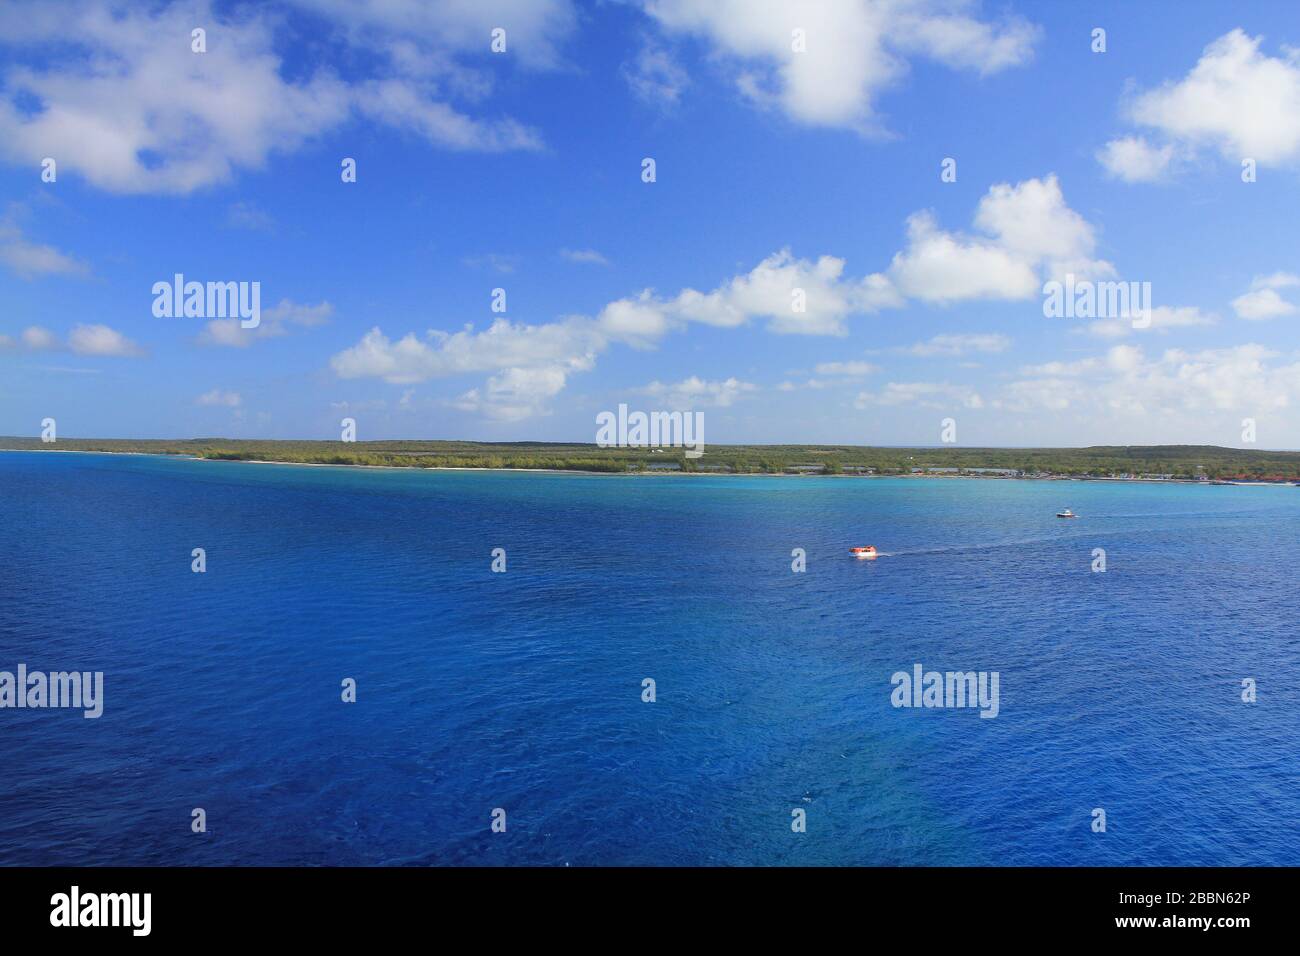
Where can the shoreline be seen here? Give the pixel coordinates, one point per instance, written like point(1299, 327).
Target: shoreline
point(656, 472)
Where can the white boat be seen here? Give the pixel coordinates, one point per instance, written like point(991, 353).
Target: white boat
point(868, 552)
point(1067, 513)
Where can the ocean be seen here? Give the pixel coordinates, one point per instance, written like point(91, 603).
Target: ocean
point(522, 691)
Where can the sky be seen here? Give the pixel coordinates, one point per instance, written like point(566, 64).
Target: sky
point(856, 208)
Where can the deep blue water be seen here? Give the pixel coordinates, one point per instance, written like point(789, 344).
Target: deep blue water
point(522, 690)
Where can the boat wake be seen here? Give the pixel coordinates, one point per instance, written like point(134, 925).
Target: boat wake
point(987, 546)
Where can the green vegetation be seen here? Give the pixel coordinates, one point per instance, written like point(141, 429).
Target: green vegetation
point(1178, 461)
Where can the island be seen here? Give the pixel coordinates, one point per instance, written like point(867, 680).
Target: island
point(1204, 463)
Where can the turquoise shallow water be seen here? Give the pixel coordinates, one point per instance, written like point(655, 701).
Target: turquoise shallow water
point(522, 690)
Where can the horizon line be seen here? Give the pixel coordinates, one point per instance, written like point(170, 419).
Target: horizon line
point(584, 444)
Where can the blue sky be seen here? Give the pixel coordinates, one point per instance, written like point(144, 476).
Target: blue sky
point(776, 170)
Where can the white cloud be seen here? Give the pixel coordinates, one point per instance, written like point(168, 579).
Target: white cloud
point(816, 384)
point(1031, 221)
point(1028, 227)
point(532, 362)
point(1263, 301)
point(552, 351)
point(515, 394)
point(1166, 398)
point(40, 339)
point(939, 395)
point(847, 369)
point(941, 267)
point(1275, 280)
point(854, 48)
point(101, 340)
point(1030, 235)
point(639, 322)
point(584, 257)
point(219, 398)
point(32, 259)
point(695, 392)
point(496, 261)
point(440, 354)
point(400, 103)
point(1236, 100)
point(418, 36)
point(1060, 369)
point(275, 322)
point(1134, 160)
point(834, 374)
point(959, 344)
point(655, 77)
point(82, 340)
point(1185, 316)
point(132, 112)
point(1163, 318)
point(768, 292)
point(570, 345)
point(1117, 358)
point(796, 296)
point(1047, 394)
point(123, 96)
point(1262, 304)
point(246, 215)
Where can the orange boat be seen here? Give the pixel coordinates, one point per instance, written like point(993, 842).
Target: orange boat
point(868, 552)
